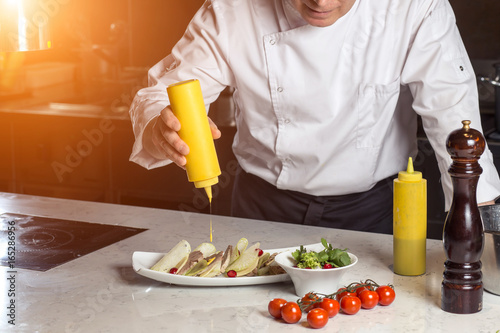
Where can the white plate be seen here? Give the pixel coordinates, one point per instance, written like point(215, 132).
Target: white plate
point(142, 261)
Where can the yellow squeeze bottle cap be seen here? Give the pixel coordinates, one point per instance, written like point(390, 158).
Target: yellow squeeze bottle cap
point(410, 175)
point(206, 182)
point(207, 185)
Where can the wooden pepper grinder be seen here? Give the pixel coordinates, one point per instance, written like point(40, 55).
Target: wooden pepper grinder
point(463, 235)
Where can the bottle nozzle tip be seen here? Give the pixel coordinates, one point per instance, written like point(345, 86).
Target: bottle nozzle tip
point(208, 189)
point(410, 169)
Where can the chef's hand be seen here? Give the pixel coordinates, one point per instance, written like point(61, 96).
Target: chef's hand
point(162, 140)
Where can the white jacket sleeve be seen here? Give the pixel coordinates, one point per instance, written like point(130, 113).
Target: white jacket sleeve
point(200, 54)
point(444, 88)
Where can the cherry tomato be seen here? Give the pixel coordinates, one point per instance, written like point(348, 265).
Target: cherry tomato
point(309, 301)
point(386, 295)
point(359, 290)
point(290, 312)
point(350, 304)
point(275, 306)
point(232, 274)
point(317, 318)
point(331, 306)
point(344, 292)
point(173, 270)
point(327, 266)
point(369, 299)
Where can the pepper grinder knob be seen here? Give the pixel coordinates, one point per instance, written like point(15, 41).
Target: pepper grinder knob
point(463, 234)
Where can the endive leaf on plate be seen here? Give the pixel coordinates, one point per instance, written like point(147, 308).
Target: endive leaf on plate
point(173, 257)
point(206, 248)
point(263, 271)
point(201, 265)
point(192, 259)
point(182, 262)
point(247, 261)
point(263, 258)
point(239, 249)
point(213, 269)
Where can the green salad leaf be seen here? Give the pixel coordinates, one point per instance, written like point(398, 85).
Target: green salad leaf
point(333, 256)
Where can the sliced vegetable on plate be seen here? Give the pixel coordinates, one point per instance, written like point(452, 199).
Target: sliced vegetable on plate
point(206, 261)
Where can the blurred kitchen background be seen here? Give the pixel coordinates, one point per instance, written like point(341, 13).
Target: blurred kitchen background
point(64, 126)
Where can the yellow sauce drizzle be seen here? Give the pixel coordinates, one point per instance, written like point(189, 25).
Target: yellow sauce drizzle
point(211, 230)
point(210, 261)
point(208, 190)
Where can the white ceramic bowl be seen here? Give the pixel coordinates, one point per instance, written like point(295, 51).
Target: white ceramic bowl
point(324, 281)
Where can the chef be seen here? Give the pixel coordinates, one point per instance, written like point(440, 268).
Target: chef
point(327, 94)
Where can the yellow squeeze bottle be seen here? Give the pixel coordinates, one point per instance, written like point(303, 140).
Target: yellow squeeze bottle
point(410, 222)
point(202, 165)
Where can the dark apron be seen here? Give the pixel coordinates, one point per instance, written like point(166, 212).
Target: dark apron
point(371, 211)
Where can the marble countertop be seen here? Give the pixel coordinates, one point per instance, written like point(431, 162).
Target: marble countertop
point(100, 292)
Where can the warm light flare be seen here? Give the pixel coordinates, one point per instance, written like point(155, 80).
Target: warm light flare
point(24, 25)
point(12, 2)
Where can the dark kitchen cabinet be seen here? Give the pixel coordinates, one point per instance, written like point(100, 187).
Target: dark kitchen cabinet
point(6, 152)
point(59, 156)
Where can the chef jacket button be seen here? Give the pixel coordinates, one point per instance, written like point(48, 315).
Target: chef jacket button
point(287, 121)
point(280, 89)
point(272, 41)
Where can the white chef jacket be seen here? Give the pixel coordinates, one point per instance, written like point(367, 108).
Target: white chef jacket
point(326, 111)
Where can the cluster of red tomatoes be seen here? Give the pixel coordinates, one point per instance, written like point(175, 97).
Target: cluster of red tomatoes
point(320, 308)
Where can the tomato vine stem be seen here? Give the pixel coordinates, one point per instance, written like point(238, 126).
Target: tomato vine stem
point(314, 297)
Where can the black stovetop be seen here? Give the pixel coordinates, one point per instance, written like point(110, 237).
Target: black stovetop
point(41, 243)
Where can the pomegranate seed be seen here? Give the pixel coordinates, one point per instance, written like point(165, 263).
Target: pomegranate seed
point(173, 270)
point(231, 274)
point(261, 252)
point(327, 266)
